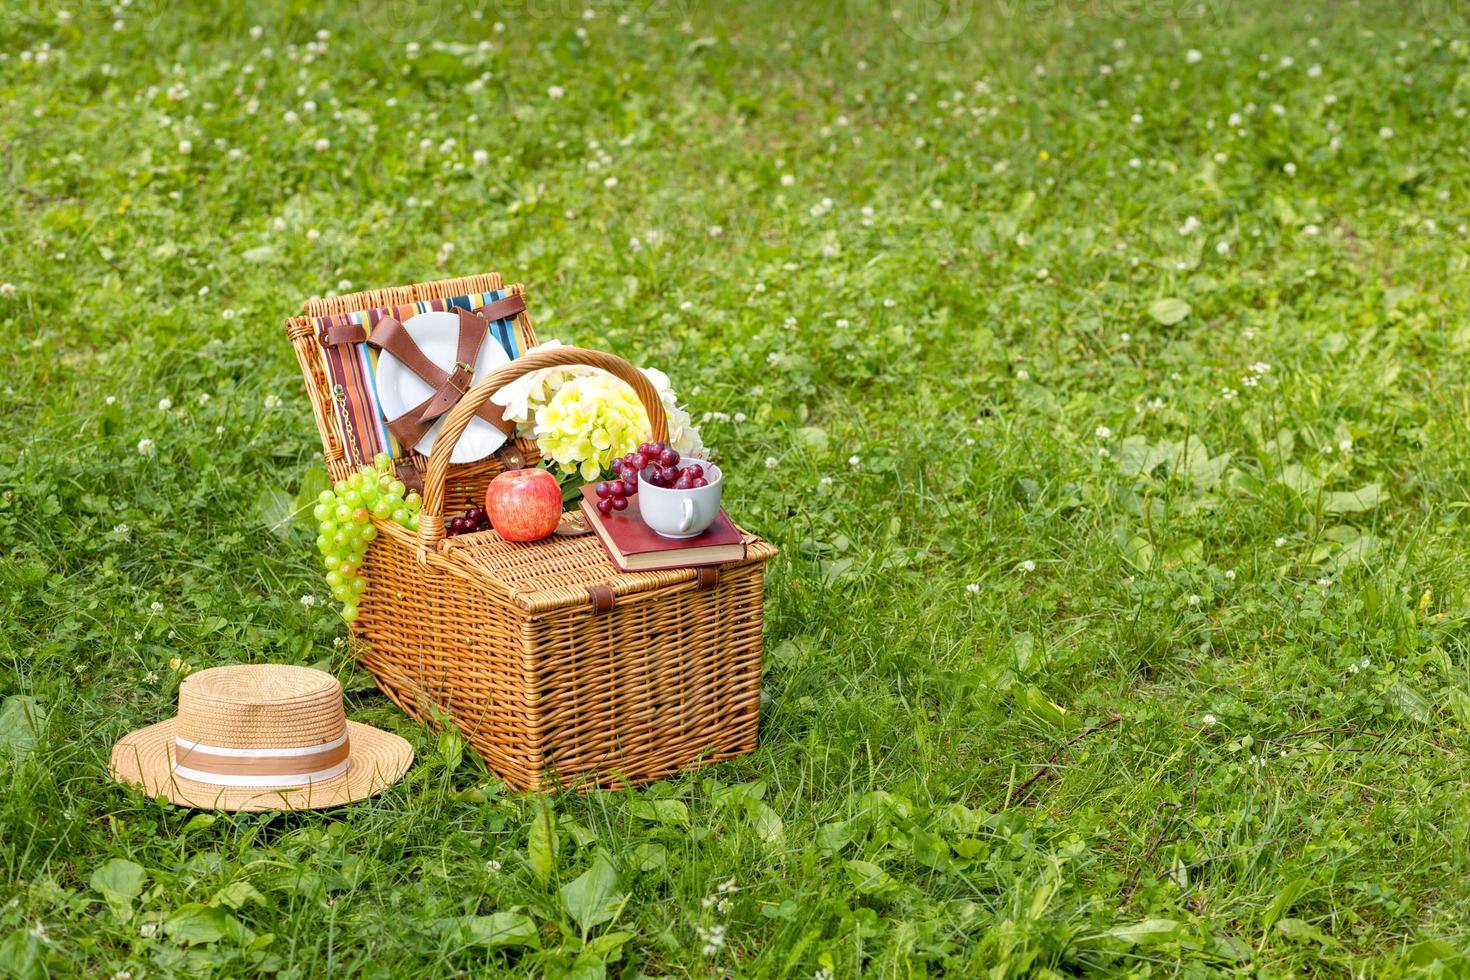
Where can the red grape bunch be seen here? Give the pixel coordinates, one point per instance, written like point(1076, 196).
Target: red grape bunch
point(474, 519)
point(662, 464)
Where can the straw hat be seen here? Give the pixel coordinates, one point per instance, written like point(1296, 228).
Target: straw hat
point(260, 737)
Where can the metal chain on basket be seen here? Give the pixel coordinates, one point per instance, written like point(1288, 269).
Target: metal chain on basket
point(339, 395)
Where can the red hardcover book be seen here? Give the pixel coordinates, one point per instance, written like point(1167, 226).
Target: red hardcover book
point(633, 546)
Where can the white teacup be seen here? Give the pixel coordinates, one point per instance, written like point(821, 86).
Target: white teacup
point(681, 513)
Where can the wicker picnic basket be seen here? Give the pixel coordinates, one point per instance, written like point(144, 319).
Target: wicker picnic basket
point(557, 667)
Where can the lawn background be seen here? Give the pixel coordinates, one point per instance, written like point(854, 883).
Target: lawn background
point(1107, 400)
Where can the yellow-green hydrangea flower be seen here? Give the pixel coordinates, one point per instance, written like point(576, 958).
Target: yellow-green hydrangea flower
point(589, 421)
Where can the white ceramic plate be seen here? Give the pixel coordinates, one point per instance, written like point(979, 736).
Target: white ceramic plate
point(399, 389)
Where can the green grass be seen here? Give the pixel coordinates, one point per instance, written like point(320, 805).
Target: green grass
point(1056, 681)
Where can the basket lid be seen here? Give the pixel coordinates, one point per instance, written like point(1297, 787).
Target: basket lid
point(568, 571)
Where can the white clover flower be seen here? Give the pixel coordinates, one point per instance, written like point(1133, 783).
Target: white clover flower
point(1028, 565)
point(1386, 133)
point(1194, 56)
point(1280, 542)
point(322, 145)
point(1228, 394)
point(610, 182)
point(146, 447)
point(219, 430)
point(1289, 169)
point(714, 231)
point(1193, 600)
point(713, 938)
point(272, 401)
point(481, 157)
point(255, 32)
point(1208, 720)
point(1190, 226)
point(973, 588)
point(1222, 247)
point(1230, 575)
point(1345, 445)
point(164, 404)
point(825, 483)
point(186, 147)
point(312, 234)
point(492, 866)
point(1324, 583)
point(1022, 374)
point(555, 91)
point(308, 600)
point(123, 532)
point(787, 180)
point(772, 462)
point(7, 289)
point(155, 606)
point(1043, 272)
point(855, 461)
point(1103, 432)
point(739, 417)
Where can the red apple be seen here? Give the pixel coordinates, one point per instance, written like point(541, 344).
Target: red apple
point(524, 505)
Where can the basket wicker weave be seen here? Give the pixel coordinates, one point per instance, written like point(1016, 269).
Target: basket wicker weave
point(557, 667)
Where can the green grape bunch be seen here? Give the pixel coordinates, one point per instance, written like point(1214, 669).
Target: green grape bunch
point(345, 525)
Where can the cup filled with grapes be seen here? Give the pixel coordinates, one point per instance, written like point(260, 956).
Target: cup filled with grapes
point(683, 495)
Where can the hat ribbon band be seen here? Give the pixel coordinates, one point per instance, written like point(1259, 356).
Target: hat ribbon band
point(261, 767)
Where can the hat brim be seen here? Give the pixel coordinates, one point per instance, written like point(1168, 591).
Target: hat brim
point(144, 759)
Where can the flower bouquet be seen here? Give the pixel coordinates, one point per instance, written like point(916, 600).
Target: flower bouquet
point(584, 420)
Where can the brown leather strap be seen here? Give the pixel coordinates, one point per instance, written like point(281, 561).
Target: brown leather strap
point(408, 474)
point(510, 457)
point(602, 598)
point(472, 330)
point(707, 578)
point(504, 309)
point(391, 336)
point(342, 333)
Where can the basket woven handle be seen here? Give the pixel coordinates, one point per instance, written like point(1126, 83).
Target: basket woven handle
point(431, 518)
